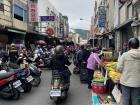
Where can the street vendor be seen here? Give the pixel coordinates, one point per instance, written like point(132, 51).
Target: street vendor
point(129, 66)
point(91, 65)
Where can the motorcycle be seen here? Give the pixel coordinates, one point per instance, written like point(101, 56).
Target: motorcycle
point(59, 90)
point(42, 60)
point(38, 58)
point(35, 73)
point(24, 76)
point(10, 87)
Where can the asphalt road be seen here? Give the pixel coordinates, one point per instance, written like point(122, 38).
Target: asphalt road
point(78, 94)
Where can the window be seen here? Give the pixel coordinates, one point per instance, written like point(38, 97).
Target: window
point(20, 13)
point(128, 9)
point(18, 17)
point(1, 6)
point(18, 10)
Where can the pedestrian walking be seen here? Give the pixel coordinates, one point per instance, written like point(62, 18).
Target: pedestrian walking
point(129, 66)
point(91, 65)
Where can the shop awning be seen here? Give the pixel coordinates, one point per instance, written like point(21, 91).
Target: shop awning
point(129, 21)
point(34, 36)
point(16, 31)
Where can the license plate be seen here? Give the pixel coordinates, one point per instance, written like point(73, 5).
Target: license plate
point(17, 83)
point(55, 93)
point(30, 78)
point(39, 69)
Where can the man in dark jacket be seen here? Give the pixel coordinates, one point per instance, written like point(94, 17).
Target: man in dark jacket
point(85, 53)
point(60, 62)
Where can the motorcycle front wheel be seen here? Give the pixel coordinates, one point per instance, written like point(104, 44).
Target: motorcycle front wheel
point(16, 94)
point(36, 82)
point(58, 101)
point(27, 88)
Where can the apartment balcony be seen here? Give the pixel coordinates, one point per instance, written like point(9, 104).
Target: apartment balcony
point(19, 24)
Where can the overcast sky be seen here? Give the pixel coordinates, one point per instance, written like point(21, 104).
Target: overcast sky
point(76, 9)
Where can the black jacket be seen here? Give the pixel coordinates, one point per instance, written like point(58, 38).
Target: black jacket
point(85, 54)
point(59, 62)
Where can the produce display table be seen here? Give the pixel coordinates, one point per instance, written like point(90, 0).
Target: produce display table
point(106, 83)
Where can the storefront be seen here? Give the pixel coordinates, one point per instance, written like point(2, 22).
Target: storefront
point(123, 33)
point(11, 35)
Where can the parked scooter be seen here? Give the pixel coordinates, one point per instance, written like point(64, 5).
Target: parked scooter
point(34, 72)
point(59, 88)
point(10, 87)
point(22, 74)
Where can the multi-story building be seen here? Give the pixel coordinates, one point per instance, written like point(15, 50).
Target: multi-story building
point(5, 18)
point(20, 19)
point(20, 14)
point(6, 12)
point(13, 19)
point(94, 31)
point(64, 27)
point(121, 22)
point(59, 24)
point(75, 37)
point(45, 8)
point(128, 21)
point(108, 37)
point(136, 13)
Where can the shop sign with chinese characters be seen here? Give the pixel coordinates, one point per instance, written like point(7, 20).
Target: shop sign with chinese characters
point(32, 12)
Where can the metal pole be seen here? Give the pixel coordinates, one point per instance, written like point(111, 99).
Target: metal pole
point(93, 41)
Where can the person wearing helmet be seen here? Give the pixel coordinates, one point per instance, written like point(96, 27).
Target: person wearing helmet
point(60, 62)
point(13, 53)
point(129, 67)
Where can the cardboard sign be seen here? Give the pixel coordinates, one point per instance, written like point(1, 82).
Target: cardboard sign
point(116, 94)
point(105, 80)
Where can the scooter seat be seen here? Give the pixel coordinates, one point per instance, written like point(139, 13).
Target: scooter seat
point(14, 70)
point(5, 75)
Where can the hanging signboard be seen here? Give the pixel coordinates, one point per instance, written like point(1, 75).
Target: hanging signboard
point(47, 18)
point(50, 31)
point(32, 12)
point(102, 17)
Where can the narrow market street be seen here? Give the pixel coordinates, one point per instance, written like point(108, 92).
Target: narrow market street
point(101, 38)
point(78, 94)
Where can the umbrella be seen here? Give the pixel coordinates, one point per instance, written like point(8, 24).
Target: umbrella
point(40, 42)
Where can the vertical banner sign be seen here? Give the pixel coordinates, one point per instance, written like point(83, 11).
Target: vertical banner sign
point(32, 12)
point(102, 16)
